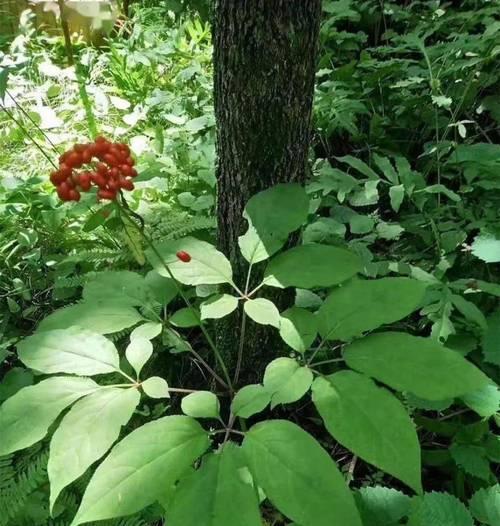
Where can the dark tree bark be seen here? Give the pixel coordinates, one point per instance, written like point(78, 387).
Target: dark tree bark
point(264, 54)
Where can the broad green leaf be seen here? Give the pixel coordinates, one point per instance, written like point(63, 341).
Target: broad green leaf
point(298, 328)
point(13, 381)
point(26, 417)
point(138, 352)
point(184, 318)
point(485, 505)
point(469, 311)
point(491, 339)
point(386, 168)
point(207, 266)
point(363, 305)
point(397, 194)
point(250, 400)
point(439, 509)
point(218, 306)
point(125, 287)
point(419, 365)
point(286, 381)
point(381, 506)
point(164, 289)
point(472, 459)
point(298, 476)
point(101, 317)
point(202, 404)
point(486, 248)
point(311, 266)
point(149, 331)
point(358, 165)
point(359, 224)
point(271, 219)
point(86, 433)
point(371, 422)
point(156, 387)
point(141, 467)
point(216, 494)
point(73, 350)
point(485, 401)
point(262, 311)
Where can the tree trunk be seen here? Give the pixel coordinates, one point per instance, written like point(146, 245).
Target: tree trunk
point(264, 54)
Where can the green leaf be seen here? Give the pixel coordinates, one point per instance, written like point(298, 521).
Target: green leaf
point(14, 380)
point(491, 339)
point(163, 289)
point(286, 381)
point(102, 317)
point(184, 318)
point(486, 248)
point(361, 224)
point(371, 422)
point(141, 467)
point(439, 509)
point(138, 352)
point(86, 433)
point(202, 404)
point(250, 400)
point(472, 459)
point(26, 417)
point(381, 506)
point(485, 401)
point(207, 266)
point(125, 287)
point(218, 306)
point(358, 165)
point(148, 331)
point(74, 351)
point(216, 494)
point(485, 505)
point(298, 328)
point(363, 305)
point(271, 219)
point(156, 387)
point(419, 365)
point(469, 311)
point(441, 189)
point(311, 266)
point(298, 476)
point(262, 311)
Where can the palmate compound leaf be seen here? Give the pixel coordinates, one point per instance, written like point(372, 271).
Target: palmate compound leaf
point(363, 305)
point(421, 366)
point(371, 422)
point(86, 432)
point(74, 351)
point(25, 418)
point(272, 215)
point(298, 476)
point(142, 467)
point(102, 316)
point(312, 266)
point(207, 265)
point(216, 494)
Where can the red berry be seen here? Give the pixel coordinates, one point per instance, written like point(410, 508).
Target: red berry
point(183, 256)
point(114, 184)
point(107, 194)
point(64, 170)
point(134, 173)
point(102, 169)
point(114, 173)
point(125, 148)
point(127, 184)
point(80, 148)
point(63, 157)
point(100, 148)
point(130, 161)
point(63, 191)
point(126, 170)
point(100, 140)
point(74, 160)
point(85, 181)
point(74, 195)
point(87, 156)
point(56, 177)
point(110, 159)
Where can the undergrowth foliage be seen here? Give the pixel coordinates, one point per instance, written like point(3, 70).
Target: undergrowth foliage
point(381, 405)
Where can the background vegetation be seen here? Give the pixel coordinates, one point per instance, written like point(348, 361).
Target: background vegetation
point(403, 171)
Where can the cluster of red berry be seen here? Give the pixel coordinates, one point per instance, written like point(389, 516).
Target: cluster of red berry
point(113, 170)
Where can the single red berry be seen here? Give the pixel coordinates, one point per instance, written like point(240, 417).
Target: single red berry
point(80, 148)
point(74, 195)
point(130, 161)
point(114, 184)
point(114, 173)
point(102, 169)
point(125, 148)
point(100, 140)
point(56, 178)
point(127, 184)
point(85, 181)
point(183, 256)
point(134, 173)
point(126, 170)
point(64, 170)
point(74, 160)
point(101, 148)
point(63, 157)
point(107, 194)
point(111, 160)
point(87, 155)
